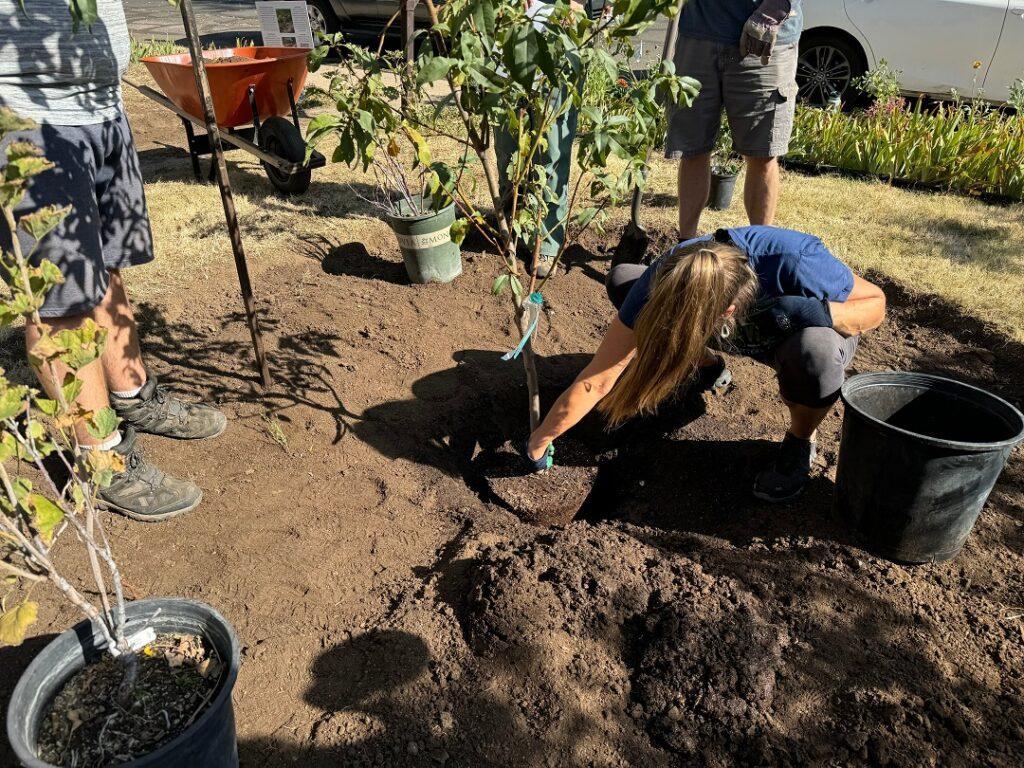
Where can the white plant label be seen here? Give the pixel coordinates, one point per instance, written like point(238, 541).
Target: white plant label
point(141, 639)
point(428, 240)
point(285, 23)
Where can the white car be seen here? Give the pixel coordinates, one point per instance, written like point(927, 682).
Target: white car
point(975, 47)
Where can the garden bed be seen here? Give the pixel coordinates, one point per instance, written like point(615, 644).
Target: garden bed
point(394, 613)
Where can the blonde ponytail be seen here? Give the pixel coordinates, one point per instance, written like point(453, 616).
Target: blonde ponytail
point(691, 293)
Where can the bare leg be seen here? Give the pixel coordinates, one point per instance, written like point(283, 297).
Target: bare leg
point(122, 358)
point(761, 189)
point(94, 393)
point(804, 420)
point(694, 186)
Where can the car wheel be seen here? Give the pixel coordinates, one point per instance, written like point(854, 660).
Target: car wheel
point(827, 66)
point(322, 18)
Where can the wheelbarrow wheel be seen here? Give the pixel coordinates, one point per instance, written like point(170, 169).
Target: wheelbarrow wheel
point(280, 137)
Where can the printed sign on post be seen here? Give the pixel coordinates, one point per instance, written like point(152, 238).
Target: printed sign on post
point(285, 23)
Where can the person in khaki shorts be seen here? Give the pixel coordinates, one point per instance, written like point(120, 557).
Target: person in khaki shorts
point(744, 53)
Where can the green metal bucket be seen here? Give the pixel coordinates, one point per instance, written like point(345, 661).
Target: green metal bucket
point(426, 243)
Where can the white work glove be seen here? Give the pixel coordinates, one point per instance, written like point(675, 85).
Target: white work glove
point(762, 29)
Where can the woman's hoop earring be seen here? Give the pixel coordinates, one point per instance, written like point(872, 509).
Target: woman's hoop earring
point(725, 331)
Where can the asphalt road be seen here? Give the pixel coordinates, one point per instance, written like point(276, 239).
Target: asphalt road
point(223, 21)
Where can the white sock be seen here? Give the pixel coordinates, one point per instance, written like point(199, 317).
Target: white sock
point(111, 442)
point(129, 392)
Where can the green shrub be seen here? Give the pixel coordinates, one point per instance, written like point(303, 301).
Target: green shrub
point(967, 148)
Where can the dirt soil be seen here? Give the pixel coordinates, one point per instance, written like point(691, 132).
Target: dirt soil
point(99, 718)
point(395, 612)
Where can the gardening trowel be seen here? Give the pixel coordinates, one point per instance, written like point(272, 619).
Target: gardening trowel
point(633, 246)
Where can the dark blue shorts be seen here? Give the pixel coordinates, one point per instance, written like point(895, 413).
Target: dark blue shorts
point(96, 172)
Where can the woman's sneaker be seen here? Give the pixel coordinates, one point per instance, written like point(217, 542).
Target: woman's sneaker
point(156, 411)
point(787, 476)
point(143, 492)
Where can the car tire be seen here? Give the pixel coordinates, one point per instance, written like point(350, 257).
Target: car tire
point(322, 18)
point(828, 64)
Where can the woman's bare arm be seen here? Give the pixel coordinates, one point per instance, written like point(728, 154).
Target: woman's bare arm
point(863, 310)
point(594, 382)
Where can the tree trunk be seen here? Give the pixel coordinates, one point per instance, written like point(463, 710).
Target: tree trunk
point(530, 366)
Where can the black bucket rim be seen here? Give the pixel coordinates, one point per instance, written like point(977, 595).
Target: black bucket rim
point(905, 378)
point(86, 627)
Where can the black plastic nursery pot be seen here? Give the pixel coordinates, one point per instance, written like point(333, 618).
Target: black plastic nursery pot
point(723, 185)
point(919, 456)
point(208, 742)
point(426, 243)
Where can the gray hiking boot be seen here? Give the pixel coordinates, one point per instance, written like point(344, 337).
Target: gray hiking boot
point(143, 492)
point(158, 412)
point(787, 476)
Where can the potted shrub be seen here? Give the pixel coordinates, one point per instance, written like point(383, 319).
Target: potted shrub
point(141, 683)
point(388, 146)
point(725, 169)
point(502, 68)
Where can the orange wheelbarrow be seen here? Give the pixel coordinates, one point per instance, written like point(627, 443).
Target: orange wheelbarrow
point(253, 89)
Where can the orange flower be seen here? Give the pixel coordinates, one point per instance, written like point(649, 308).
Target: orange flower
point(622, 82)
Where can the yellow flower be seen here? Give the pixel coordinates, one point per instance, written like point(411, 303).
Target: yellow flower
point(976, 64)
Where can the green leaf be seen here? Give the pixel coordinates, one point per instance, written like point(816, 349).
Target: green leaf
point(517, 287)
point(103, 423)
point(584, 217)
point(8, 447)
point(103, 465)
point(519, 55)
point(422, 150)
point(41, 222)
point(72, 387)
point(500, 282)
point(15, 622)
point(46, 516)
point(47, 406)
point(81, 345)
point(83, 12)
point(10, 122)
point(12, 400)
point(433, 69)
point(458, 230)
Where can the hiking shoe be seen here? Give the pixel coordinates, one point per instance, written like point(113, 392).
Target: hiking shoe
point(786, 477)
point(158, 412)
point(143, 492)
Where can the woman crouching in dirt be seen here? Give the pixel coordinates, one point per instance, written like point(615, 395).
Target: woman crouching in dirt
point(774, 294)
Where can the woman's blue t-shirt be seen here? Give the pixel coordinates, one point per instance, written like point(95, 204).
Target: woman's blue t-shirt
point(787, 263)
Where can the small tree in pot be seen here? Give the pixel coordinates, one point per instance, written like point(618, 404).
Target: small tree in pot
point(513, 74)
point(376, 137)
point(48, 491)
point(725, 169)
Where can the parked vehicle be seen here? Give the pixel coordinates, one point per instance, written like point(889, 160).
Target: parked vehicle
point(358, 17)
point(972, 47)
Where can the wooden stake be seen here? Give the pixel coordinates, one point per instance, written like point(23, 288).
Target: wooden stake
point(195, 48)
point(408, 13)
